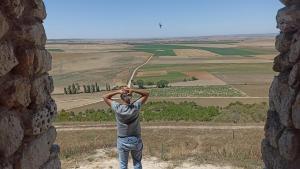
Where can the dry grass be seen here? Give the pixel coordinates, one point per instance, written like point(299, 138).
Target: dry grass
point(204, 79)
point(194, 52)
point(90, 63)
point(151, 73)
point(86, 48)
point(238, 148)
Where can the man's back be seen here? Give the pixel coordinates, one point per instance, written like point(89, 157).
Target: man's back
point(127, 117)
point(129, 129)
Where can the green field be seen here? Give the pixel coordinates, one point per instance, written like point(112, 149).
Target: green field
point(208, 42)
point(171, 76)
point(196, 91)
point(184, 111)
point(167, 50)
point(233, 51)
point(215, 68)
point(55, 50)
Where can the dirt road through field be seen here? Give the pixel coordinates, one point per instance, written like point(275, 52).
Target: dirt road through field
point(112, 127)
point(136, 69)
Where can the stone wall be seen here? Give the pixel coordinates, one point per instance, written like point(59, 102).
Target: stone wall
point(26, 107)
point(281, 146)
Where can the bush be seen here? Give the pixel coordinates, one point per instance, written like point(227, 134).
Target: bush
point(241, 113)
point(194, 78)
point(88, 115)
point(149, 83)
point(140, 83)
point(162, 84)
point(185, 111)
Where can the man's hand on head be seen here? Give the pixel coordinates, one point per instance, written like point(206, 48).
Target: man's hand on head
point(108, 97)
point(128, 90)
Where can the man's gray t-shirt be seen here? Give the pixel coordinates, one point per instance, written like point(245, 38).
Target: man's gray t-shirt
point(127, 117)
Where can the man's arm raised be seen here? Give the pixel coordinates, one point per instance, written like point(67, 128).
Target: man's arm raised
point(108, 97)
point(143, 93)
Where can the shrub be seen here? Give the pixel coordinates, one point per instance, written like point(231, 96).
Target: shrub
point(107, 87)
point(140, 83)
point(184, 111)
point(194, 78)
point(162, 84)
point(150, 83)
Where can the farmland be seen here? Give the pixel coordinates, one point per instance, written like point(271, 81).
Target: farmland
point(203, 69)
point(196, 91)
point(168, 50)
point(213, 84)
point(184, 111)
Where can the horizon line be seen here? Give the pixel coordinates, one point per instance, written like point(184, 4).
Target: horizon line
point(171, 37)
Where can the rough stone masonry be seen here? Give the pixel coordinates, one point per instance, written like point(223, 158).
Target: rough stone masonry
point(281, 146)
point(26, 107)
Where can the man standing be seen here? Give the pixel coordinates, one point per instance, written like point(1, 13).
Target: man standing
point(128, 125)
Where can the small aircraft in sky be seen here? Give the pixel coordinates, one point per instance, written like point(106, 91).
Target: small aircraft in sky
point(160, 25)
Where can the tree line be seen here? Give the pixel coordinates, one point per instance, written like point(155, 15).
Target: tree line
point(76, 88)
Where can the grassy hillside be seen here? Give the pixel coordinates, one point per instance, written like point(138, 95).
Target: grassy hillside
point(185, 111)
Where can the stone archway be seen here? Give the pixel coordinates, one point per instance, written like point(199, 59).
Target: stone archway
point(281, 146)
point(26, 107)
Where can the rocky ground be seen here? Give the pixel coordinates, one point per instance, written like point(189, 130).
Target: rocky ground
point(102, 159)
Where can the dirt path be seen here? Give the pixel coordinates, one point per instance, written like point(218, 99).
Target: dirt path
point(136, 69)
point(102, 159)
point(112, 127)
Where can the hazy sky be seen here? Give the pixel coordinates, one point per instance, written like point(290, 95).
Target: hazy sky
point(105, 19)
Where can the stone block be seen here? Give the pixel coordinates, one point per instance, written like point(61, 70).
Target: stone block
point(282, 64)
point(14, 8)
point(11, 133)
point(4, 27)
point(296, 112)
point(283, 42)
point(39, 11)
point(54, 151)
point(289, 144)
point(15, 92)
point(273, 128)
point(32, 34)
point(288, 19)
point(7, 58)
point(271, 157)
point(281, 99)
point(26, 63)
point(6, 166)
point(52, 164)
point(290, 2)
point(294, 53)
point(42, 87)
point(37, 152)
point(41, 120)
point(294, 77)
point(42, 61)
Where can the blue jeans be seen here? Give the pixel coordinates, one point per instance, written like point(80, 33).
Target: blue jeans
point(134, 145)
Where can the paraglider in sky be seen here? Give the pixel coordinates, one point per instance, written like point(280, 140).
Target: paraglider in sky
point(160, 25)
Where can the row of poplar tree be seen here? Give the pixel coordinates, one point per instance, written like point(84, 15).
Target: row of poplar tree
point(75, 88)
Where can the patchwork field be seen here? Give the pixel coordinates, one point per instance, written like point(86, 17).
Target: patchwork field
point(194, 53)
point(241, 67)
point(88, 63)
point(196, 91)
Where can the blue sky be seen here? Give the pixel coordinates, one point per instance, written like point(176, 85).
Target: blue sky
point(111, 19)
